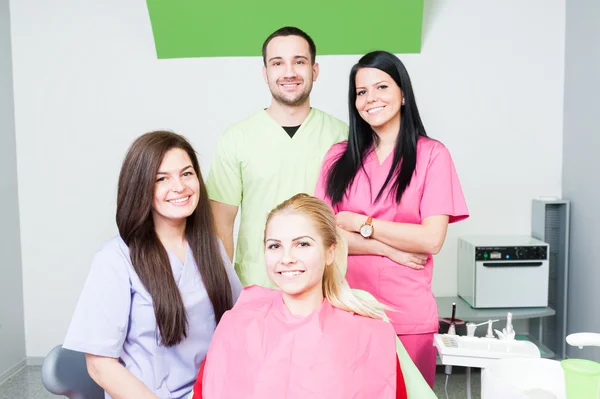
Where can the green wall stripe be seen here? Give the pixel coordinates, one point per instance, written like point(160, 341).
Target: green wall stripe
point(227, 28)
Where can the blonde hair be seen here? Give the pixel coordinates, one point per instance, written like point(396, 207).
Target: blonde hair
point(335, 287)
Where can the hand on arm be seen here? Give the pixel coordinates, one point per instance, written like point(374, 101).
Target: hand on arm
point(116, 379)
point(425, 238)
point(358, 245)
point(224, 216)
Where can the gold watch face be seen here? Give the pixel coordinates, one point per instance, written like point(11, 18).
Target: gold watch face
point(366, 230)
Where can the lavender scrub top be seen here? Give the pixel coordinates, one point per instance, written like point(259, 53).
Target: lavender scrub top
point(115, 318)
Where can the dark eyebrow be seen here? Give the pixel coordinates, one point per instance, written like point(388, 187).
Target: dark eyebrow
point(383, 81)
point(182, 170)
point(295, 57)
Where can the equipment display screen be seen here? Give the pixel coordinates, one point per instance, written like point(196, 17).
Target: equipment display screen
point(511, 253)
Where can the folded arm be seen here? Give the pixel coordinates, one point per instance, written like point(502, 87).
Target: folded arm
point(424, 238)
point(358, 245)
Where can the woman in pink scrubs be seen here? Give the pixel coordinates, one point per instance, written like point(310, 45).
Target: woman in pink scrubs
point(311, 338)
point(394, 190)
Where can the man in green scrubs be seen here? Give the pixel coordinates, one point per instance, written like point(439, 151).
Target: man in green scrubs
point(273, 154)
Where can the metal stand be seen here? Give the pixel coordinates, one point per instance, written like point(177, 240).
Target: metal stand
point(468, 382)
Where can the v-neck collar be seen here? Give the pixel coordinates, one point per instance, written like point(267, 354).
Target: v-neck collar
point(178, 265)
point(281, 131)
point(373, 158)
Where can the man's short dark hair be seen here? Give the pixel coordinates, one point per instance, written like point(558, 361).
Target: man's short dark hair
point(290, 31)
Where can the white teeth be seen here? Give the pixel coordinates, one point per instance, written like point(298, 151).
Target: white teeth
point(374, 110)
point(291, 274)
point(177, 201)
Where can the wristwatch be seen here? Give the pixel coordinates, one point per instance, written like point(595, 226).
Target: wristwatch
point(366, 230)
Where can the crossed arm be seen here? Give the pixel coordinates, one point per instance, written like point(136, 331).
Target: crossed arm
point(405, 243)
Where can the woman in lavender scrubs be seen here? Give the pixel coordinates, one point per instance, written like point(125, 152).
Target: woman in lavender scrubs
point(155, 293)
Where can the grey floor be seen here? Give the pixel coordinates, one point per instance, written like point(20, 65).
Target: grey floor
point(27, 384)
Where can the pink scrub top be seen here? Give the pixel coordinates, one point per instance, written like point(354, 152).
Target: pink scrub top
point(261, 351)
point(433, 190)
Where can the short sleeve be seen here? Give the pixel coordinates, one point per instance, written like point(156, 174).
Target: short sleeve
point(442, 193)
point(234, 280)
point(224, 182)
point(101, 319)
point(321, 188)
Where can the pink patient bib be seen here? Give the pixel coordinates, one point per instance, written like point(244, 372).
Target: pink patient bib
point(261, 351)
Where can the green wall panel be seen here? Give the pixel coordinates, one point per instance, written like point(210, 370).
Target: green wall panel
point(228, 28)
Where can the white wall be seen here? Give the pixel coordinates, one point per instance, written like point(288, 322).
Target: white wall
point(488, 82)
point(12, 327)
point(580, 170)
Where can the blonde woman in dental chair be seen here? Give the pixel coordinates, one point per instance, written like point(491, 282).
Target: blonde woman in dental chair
point(313, 337)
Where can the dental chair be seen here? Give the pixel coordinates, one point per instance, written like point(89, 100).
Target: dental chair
point(416, 386)
point(64, 372)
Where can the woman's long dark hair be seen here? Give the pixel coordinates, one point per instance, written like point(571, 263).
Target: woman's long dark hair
point(148, 255)
point(361, 137)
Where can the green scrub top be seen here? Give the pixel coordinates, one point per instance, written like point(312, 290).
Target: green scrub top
point(257, 165)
